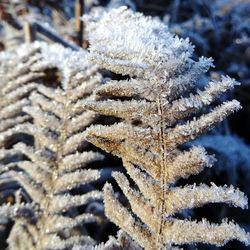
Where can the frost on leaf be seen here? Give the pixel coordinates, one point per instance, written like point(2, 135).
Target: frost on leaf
point(161, 111)
point(58, 162)
point(21, 71)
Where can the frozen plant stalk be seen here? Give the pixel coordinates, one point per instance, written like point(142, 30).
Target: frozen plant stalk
point(160, 110)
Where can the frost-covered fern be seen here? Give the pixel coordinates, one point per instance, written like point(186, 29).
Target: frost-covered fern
point(20, 72)
point(17, 81)
point(156, 107)
point(57, 164)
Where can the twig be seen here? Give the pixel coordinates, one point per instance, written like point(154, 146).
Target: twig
point(46, 32)
point(79, 9)
point(29, 33)
point(54, 36)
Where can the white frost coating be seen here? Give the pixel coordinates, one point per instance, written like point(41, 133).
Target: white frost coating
point(64, 202)
point(79, 160)
point(53, 165)
point(65, 59)
point(145, 49)
point(155, 121)
point(52, 55)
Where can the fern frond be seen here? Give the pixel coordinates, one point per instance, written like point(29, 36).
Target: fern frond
point(162, 111)
point(58, 163)
point(20, 72)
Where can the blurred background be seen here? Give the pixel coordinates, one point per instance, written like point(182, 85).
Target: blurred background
point(218, 28)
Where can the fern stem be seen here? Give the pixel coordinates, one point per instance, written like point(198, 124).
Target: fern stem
point(161, 202)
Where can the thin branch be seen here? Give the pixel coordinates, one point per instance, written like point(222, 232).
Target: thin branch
point(79, 10)
point(29, 33)
point(54, 36)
